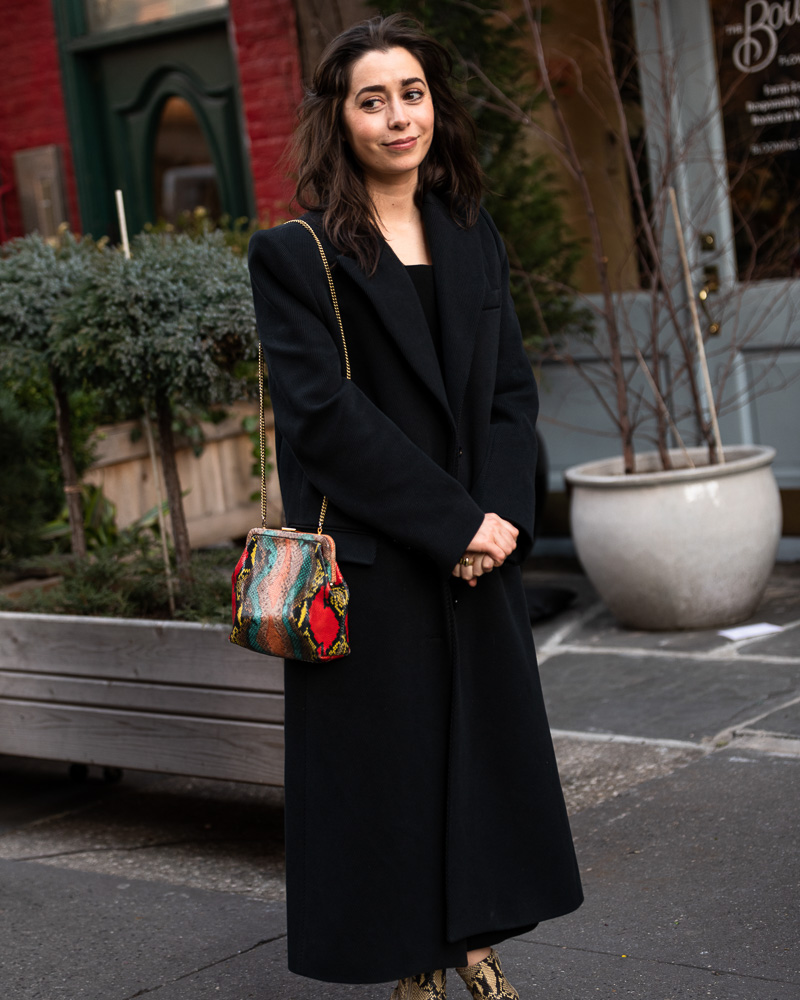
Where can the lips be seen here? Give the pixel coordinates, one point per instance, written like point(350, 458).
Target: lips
point(402, 144)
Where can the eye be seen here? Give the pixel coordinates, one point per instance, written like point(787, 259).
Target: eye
point(371, 104)
point(415, 94)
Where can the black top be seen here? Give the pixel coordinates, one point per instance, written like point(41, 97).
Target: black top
point(423, 279)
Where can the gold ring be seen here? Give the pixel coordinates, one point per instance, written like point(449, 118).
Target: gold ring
point(466, 560)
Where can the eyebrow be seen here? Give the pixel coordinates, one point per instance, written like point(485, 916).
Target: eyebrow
point(379, 88)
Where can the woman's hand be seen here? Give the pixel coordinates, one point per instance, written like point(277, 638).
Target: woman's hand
point(493, 543)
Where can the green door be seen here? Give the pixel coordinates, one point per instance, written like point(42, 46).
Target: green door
point(155, 111)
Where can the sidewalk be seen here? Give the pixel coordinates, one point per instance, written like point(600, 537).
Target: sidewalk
point(680, 756)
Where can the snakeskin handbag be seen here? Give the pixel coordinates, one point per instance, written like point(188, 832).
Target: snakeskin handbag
point(288, 595)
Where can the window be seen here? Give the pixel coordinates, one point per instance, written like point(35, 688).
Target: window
point(758, 66)
point(104, 15)
point(184, 177)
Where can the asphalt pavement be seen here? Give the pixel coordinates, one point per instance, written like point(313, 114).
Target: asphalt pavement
point(680, 758)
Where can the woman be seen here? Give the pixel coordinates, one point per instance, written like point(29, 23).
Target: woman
point(424, 817)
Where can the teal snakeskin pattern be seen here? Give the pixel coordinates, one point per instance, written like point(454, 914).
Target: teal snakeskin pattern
point(289, 598)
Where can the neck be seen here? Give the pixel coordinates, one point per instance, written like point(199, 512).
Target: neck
point(394, 201)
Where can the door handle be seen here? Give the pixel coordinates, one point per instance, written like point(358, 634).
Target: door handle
point(710, 285)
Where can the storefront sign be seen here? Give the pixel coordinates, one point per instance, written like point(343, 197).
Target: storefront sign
point(758, 46)
point(759, 69)
point(758, 65)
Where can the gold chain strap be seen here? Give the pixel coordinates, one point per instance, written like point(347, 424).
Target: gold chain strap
point(262, 429)
point(301, 222)
point(262, 435)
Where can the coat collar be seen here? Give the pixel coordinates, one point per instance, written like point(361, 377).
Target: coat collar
point(460, 290)
point(458, 273)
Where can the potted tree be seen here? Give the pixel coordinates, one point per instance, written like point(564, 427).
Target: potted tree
point(684, 533)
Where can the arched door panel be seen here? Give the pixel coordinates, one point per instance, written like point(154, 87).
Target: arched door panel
point(139, 80)
point(117, 84)
point(137, 124)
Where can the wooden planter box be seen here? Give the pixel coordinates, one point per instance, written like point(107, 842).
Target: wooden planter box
point(218, 484)
point(174, 697)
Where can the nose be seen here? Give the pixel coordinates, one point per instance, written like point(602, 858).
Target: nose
point(398, 118)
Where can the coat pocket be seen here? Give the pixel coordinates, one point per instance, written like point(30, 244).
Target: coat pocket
point(353, 546)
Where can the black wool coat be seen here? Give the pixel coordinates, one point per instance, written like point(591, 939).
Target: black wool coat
point(424, 814)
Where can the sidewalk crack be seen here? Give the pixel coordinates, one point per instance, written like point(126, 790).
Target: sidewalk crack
point(712, 970)
point(203, 968)
point(133, 847)
point(731, 732)
point(553, 644)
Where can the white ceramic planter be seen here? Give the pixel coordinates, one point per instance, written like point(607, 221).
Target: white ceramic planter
point(684, 549)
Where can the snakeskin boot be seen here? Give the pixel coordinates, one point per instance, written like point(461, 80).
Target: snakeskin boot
point(485, 980)
point(425, 986)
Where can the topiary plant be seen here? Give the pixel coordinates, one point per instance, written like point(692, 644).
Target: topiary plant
point(172, 325)
point(38, 280)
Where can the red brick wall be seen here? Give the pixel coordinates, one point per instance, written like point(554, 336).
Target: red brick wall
point(32, 106)
point(266, 49)
point(31, 101)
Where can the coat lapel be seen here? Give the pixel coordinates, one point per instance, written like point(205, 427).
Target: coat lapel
point(459, 276)
point(392, 293)
point(459, 272)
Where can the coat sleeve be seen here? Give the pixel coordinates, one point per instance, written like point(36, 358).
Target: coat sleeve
point(507, 484)
point(349, 450)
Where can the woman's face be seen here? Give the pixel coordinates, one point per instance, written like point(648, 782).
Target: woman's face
point(388, 114)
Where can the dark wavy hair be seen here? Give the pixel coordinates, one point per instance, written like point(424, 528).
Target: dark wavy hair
point(330, 179)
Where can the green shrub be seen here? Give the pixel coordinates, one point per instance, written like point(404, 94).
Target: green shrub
point(28, 402)
point(177, 318)
point(126, 580)
point(85, 332)
point(23, 480)
point(38, 279)
point(235, 232)
point(173, 326)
